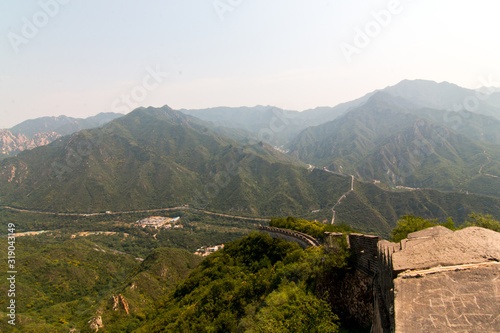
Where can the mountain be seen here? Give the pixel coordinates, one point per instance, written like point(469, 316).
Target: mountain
point(392, 140)
point(251, 286)
point(278, 127)
point(126, 307)
point(263, 123)
point(494, 99)
point(445, 96)
point(271, 124)
point(320, 145)
point(158, 157)
point(371, 209)
point(12, 144)
point(473, 125)
point(155, 158)
point(251, 119)
point(62, 125)
point(487, 89)
point(42, 131)
point(83, 272)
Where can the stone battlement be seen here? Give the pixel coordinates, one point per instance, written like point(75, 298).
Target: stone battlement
point(435, 280)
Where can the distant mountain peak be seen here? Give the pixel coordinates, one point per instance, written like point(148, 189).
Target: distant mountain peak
point(37, 132)
point(384, 100)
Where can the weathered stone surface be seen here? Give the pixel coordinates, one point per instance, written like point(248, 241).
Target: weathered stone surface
point(388, 247)
point(462, 300)
point(466, 246)
point(429, 232)
point(350, 295)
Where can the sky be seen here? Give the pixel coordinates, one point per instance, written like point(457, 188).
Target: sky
point(82, 57)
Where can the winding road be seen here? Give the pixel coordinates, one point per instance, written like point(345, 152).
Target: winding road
point(136, 211)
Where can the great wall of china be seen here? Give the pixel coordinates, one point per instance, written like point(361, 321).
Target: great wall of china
point(303, 240)
point(436, 280)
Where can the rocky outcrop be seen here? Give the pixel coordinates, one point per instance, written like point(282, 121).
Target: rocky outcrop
point(124, 303)
point(95, 323)
point(12, 144)
point(41, 131)
point(119, 299)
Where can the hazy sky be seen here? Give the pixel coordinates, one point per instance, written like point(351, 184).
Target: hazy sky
point(82, 57)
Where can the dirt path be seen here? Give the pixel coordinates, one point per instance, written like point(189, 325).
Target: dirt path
point(485, 164)
point(343, 195)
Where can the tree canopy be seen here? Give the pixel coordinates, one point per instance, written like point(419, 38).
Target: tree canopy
point(408, 224)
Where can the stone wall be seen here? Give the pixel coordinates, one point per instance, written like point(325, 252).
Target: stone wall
point(373, 257)
point(332, 240)
point(383, 319)
point(436, 280)
point(365, 252)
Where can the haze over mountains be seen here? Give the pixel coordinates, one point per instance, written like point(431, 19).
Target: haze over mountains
point(417, 134)
point(421, 94)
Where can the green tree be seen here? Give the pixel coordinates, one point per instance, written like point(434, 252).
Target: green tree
point(255, 284)
point(292, 309)
point(408, 224)
point(479, 220)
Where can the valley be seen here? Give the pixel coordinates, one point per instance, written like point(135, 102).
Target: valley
point(186, 207)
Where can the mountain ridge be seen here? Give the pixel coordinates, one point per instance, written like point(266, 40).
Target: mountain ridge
point(391, 140)
point(153, 158)
point(38, 132)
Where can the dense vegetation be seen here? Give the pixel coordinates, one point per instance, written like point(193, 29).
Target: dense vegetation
point(157, 158)
point(488, 222)
point(62, 284)
point(255, 284)
point(198, 230)
point(67, 277)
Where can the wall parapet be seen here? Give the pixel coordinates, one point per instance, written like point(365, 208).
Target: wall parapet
point(373, 257)
point(365, 251)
